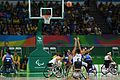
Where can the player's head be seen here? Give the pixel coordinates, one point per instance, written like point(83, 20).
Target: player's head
point(109, 53)
point(58, 54)
point(6, 43)
point(8, 51)
point(78, 51)
point(15, 53)
point(84, 48)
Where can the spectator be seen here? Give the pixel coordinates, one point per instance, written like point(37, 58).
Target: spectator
point(5, 48)
point(24, 62)
point(77, 20)
point(16, 60)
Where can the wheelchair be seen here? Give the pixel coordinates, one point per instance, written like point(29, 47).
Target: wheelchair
point(91, 68)
point(113, 69)
point(8, 68)
point(53, 69)
point(77, 71)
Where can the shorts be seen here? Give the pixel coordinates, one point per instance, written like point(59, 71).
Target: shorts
point(107, 63)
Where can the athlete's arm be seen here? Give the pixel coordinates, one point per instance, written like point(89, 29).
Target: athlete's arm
point(79, 44)
point(12, 59)
point(87, 51)
point(3, 58)
point(110, 58)
point(75, 45)
point(1, 53)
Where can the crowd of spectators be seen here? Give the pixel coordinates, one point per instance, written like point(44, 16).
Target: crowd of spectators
point(14, 19)
point(111, 12)
point(77, 21)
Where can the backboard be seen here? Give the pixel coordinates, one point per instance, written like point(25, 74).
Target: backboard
point(46, 9)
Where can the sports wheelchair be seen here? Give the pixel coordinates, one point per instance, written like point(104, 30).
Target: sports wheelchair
point(113, 69)
point(77, 71)
point(8, 68)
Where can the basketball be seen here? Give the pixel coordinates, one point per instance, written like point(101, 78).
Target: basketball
point(69, 4)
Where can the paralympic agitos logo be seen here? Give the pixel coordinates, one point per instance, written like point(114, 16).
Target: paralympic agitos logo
point(38, 63)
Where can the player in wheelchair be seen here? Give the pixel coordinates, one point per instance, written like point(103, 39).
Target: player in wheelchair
point(7, 63)
point(90, 68)
point(109, 65)
point(78, 70)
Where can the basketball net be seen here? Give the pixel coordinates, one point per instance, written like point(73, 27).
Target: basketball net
point(46, 19)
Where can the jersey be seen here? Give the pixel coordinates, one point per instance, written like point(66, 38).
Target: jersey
point(77, 57)
point(106, 57)
point(87, 57)
point(53, 60)
point(8, 58)
point(66, 57)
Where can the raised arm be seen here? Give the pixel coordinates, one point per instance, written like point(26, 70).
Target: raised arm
point(79, 44)
point(88, 50)
point(75, 45)
point(1, 53)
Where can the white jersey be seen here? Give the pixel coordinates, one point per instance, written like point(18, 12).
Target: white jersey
point(106, 58)
point(53, 60)
point(77, 57)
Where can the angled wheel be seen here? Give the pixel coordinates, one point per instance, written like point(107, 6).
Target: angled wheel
point(1, 69)
point(47, 72)
point(58, 71)
point(114, 69)
point(95, 70)
point(104, 70)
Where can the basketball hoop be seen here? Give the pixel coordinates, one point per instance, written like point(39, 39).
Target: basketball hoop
point(46, 19)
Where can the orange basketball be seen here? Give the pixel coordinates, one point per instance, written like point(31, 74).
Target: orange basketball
point(69, 4)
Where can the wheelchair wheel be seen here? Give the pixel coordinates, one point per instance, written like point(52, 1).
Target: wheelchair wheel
point(1, 69)
point(48, 72)
point(113, 69)
point(68, 70)
point(104, 70)
point(13, 69)
point(93, 70)
point(58, 71)
point(78, 75)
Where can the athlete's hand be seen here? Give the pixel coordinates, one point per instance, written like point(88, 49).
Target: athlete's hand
point(93, 47)
point(78, 38)
point(75, 39)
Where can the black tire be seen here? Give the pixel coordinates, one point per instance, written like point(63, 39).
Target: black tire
point(79, 74)
point(1, 69)
point(68, 69)
point(95, 71)
point(104, 70)
point(114, 69)
point(58, 71)
point(47, 72)
point(82, 77)
point(13, 69)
